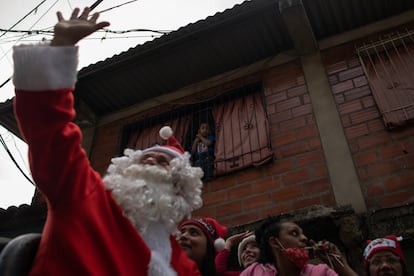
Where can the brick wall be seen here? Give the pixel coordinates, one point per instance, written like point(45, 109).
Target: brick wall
point(298, 178)
point(384, 159)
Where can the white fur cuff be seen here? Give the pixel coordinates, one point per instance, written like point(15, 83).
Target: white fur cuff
point(43, 67)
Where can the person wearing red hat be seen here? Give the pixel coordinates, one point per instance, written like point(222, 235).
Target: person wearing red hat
point(202, 239)
point(383, 256)
point(124, 224)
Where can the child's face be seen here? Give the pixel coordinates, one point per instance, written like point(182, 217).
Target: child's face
point(204, 129)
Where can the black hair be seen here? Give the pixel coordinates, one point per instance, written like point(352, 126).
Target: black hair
point(208, 267)
point(269, 228)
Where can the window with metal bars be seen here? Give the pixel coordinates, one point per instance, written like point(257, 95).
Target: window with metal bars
point(237, 120)
point(389, 67)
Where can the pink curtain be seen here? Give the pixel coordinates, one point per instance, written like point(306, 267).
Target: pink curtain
point(242, 134)
point(149, 136)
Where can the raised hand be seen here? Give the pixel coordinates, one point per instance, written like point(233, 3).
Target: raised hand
point(69, 32)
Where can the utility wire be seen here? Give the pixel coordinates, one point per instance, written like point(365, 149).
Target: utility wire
point(14, 160)
point(114, 7)
point(24, 17)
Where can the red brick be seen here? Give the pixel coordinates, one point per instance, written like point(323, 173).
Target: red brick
point(376, 125)
point(278, 84)
point(222, 183)
point(257, 201)
point(297, 91)
point(306, 99)
point(346, 121)
point(214, 198)
point(307, 132)
point(205, 212)
point(328, 200)
point(339, 98)
point(316, 186)
point(364, 115)
point(360, 81)
point(287, 104)
point(276, 210)
point(321, 170)
point(336, 67)
point(373, 140)
point(392, 151)
point(243, 218)
point(368, 101)
point(302, 110)
point(292, 124)
point(229, 209)
point(342, 86)
point(277, 97)
point(267, 184)
point(383, 169)
point(333, 79)
point(374, 189)
point(284, 139)
point(311, 158)
point(402, 134)
point(315, 143)
point(404, 181)
point(366, 158)
point(280, 166)
point(280, 117)
point(408, 162)
point(307, 202)
point(249, 174)
point(353, 62)
point(356, 131)
point(357, 93)
point(349, 107)
point(289, 193)
point(239, 191)
point(296, 176)
point(397, 199)
point(350, 73)
point(294, 149)
point(271, 109)
point(300, 80)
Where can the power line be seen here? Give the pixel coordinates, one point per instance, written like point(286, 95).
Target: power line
point(14, 160)
point(24, 17)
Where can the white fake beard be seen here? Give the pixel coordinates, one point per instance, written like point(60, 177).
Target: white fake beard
point(148, 193)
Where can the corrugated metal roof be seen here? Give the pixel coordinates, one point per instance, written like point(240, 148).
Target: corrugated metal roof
point(249, 32)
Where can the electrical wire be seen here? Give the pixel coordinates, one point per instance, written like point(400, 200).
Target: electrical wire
point(13, 159)
point(24, 17)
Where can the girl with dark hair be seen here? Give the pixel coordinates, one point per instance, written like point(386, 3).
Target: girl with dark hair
point(284, 250)
point(201, 239)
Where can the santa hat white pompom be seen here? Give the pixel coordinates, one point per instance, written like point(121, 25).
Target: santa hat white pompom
point(219, 244)
point(166, 132)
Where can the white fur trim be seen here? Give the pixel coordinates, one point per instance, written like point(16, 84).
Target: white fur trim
point(164, 150)
point(219, 244)
point(43, 67)
point(166, 132)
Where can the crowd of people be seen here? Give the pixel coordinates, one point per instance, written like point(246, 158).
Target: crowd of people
point(137, 219)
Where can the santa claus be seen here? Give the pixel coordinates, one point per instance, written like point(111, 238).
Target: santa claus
point(123, 224)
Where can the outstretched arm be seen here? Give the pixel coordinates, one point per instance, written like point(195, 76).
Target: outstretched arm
point(69, 32)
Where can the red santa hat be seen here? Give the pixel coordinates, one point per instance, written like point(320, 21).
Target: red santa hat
point(213, 230)
point(388, 243)
point(173, 147)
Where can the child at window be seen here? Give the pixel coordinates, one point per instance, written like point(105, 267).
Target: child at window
point(203, 150)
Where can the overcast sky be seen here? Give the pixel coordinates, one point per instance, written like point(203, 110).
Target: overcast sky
point(158, 15)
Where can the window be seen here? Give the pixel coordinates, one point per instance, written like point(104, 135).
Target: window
point(389, 67)
point(237, 120)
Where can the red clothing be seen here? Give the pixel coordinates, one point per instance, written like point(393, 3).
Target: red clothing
point(221, 261)
point(85, 232)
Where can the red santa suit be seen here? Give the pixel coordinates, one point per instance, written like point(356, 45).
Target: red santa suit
point(85, 232)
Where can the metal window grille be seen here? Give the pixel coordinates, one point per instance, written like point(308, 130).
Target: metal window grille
point(237, 119)
point(388, 64)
